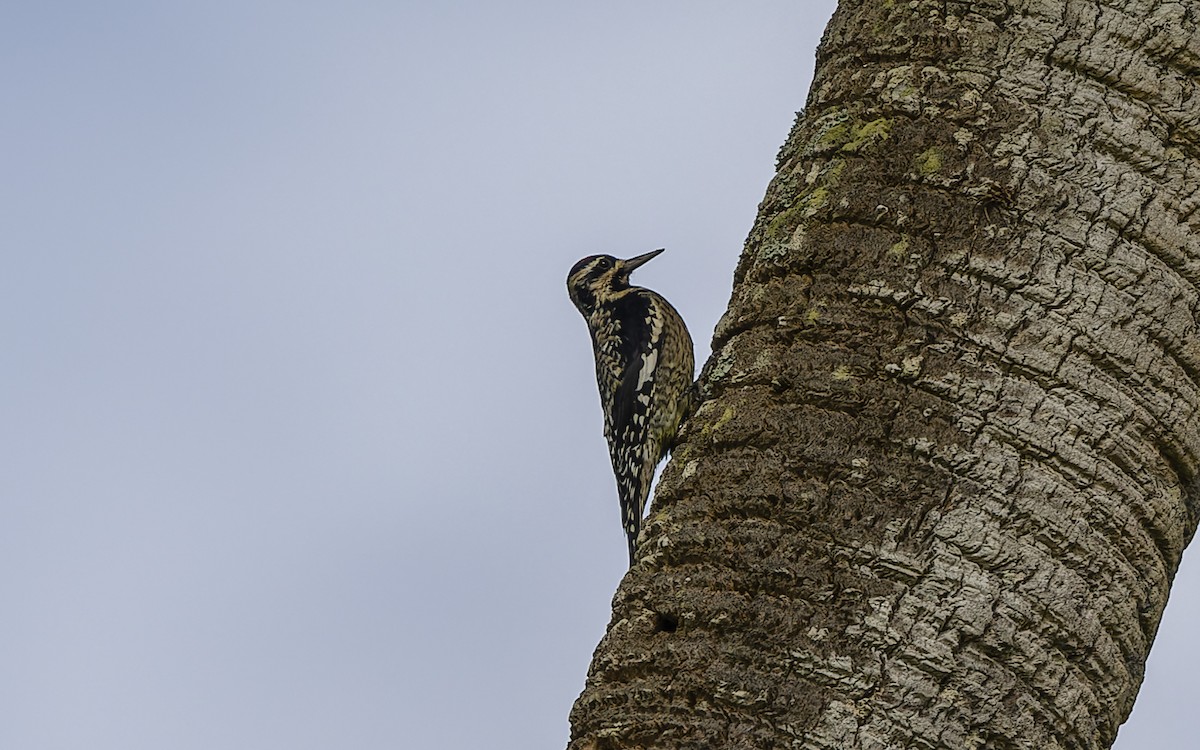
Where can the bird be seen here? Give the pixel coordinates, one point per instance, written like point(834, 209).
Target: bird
point(644, 370)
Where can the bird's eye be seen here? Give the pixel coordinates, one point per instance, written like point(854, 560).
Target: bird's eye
point(603, 263)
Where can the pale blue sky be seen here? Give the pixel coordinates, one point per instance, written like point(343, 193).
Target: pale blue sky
point(302, 446)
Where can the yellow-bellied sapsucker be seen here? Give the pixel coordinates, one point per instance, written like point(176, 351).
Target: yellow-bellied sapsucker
point(644, 367)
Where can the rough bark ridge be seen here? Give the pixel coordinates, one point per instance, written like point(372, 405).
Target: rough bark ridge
point(947, 462)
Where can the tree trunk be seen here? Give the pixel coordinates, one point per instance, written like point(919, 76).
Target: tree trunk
point(946, 463)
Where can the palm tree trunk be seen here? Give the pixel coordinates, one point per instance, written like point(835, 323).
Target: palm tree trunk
point(946, 464)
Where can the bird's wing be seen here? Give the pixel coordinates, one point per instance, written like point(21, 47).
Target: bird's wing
point(632, 398)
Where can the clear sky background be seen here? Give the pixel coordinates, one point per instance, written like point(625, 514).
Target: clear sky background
point(301, 445)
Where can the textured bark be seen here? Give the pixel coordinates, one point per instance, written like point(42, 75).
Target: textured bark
point(946, 465)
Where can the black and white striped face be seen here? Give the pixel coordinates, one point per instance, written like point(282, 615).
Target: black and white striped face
point(598, 278)
point(592, 279)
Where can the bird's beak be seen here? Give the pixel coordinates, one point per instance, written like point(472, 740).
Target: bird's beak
point(634, 262)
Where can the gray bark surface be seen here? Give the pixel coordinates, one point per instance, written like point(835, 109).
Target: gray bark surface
point(946, 464)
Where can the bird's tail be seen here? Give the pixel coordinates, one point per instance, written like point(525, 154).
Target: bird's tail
point(634, 491)
point(633, 504)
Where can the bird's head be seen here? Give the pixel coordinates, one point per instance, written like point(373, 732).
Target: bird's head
point(597, 278)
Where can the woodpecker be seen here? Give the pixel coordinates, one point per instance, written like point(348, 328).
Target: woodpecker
point(644, 368)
